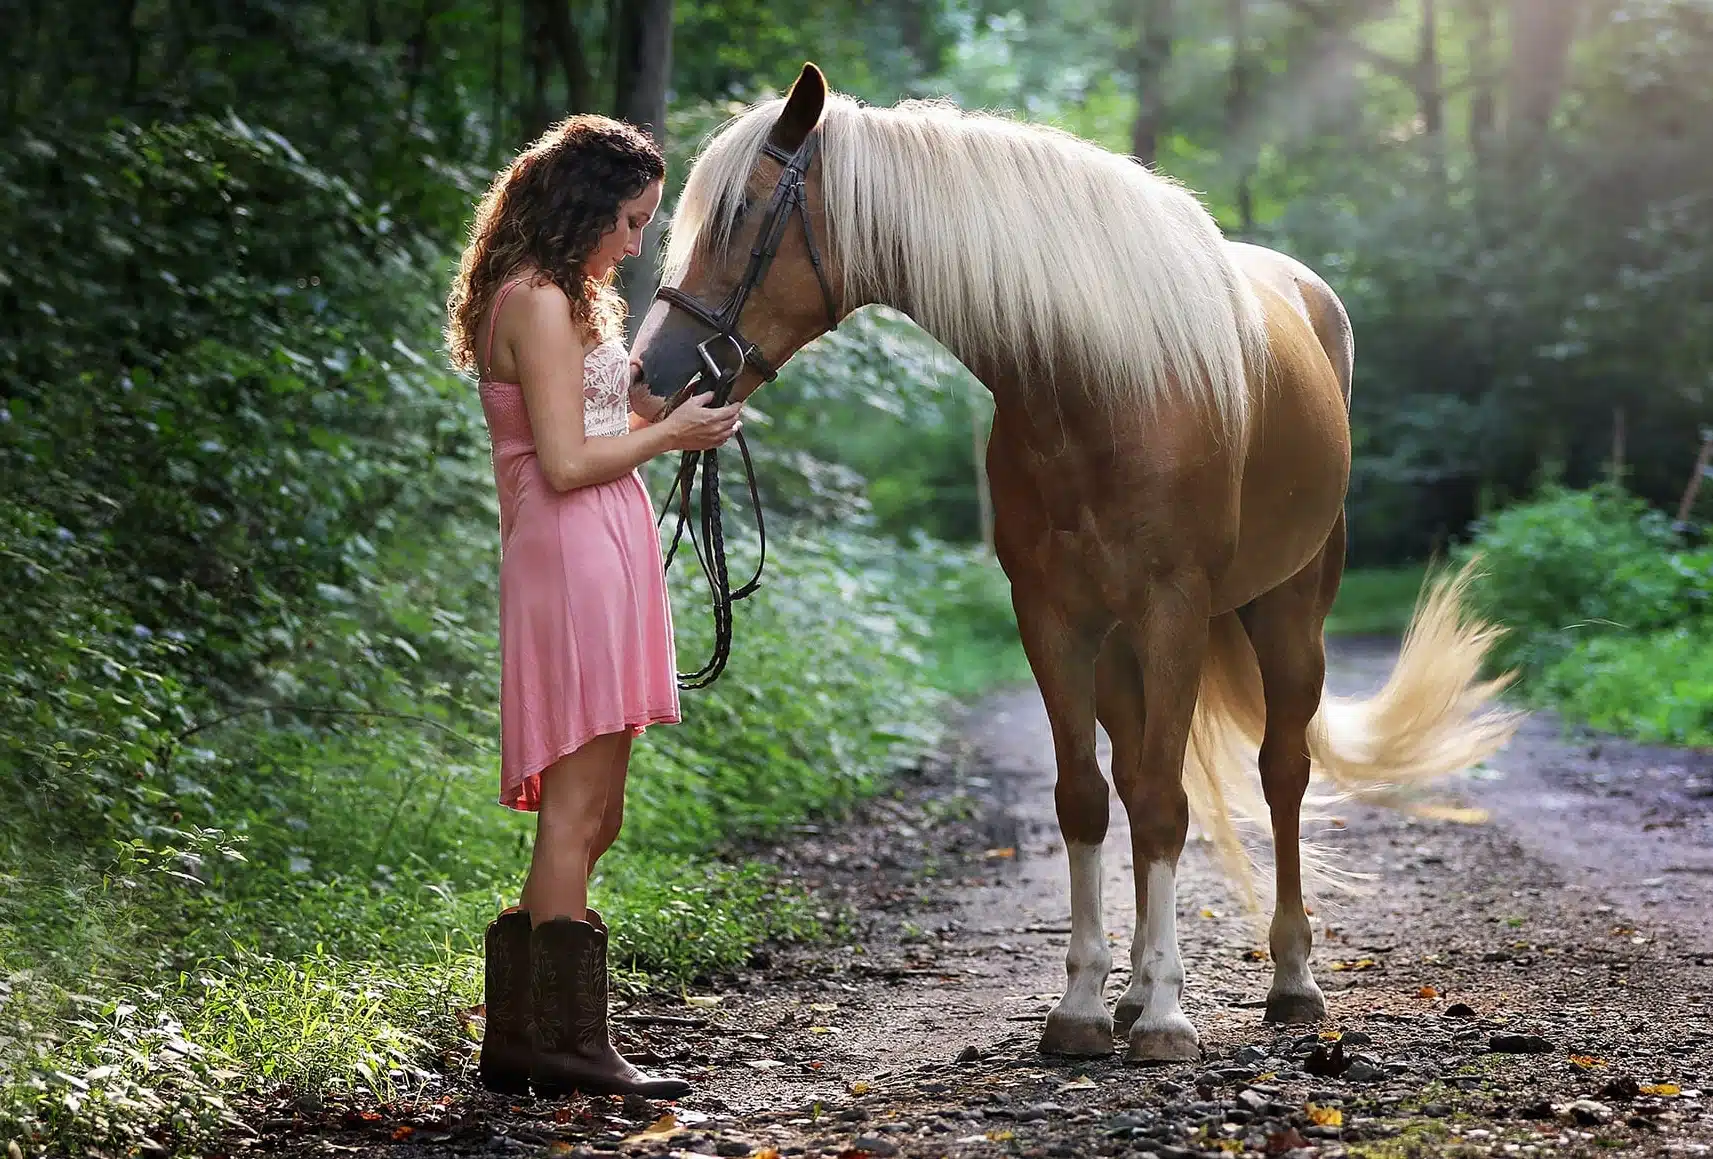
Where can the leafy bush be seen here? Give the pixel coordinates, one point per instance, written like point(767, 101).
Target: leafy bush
point(213, 407)
point(1609, 616)
point(1657, 687)
point(1576, 564)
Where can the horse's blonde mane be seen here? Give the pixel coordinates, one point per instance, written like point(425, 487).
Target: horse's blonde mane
point(1012, 243)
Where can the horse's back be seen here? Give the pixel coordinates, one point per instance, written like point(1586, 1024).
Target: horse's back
point(1310, 296)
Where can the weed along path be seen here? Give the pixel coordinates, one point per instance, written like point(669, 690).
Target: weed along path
point(1538, 985)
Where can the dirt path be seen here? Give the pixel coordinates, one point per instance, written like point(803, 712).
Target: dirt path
point(1574, 933)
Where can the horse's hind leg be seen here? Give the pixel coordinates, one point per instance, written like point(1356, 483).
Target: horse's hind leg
point(1062, 660)
point(1285, 627)
point(1168, 640)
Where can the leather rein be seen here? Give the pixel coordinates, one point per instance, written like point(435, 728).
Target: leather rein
point(789, 198)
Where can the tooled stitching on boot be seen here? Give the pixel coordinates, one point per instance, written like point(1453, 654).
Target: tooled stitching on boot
point(549, 997)
point(591, 1015)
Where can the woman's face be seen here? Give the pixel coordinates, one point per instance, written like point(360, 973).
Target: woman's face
point(624, 237)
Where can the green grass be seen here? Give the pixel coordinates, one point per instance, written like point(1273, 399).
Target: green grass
point(1376, 601)
point(314, 918)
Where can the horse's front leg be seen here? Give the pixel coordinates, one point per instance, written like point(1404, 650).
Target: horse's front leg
point(1062, 656)
point(1169, 640)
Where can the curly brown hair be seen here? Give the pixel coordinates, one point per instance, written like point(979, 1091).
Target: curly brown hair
point(547, 211)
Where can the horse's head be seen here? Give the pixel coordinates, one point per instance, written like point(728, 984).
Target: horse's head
point(750, 279)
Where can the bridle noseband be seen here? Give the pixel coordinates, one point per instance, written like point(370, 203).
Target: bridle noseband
point(789, 197)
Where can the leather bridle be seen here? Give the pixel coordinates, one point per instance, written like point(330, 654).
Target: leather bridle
point(789, 198)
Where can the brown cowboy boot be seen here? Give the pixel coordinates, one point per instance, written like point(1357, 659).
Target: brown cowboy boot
point(573, 1051)
point(506, 1046)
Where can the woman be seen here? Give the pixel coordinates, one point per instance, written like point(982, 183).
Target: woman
point(586, 651)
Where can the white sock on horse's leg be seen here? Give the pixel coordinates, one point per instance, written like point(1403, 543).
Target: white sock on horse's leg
point(1080, 1024)
point(1159, 1028)
point(1294, 997)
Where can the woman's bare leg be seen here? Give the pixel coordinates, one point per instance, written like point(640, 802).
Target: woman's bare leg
point(574, 794)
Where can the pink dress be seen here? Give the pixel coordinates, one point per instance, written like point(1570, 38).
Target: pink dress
point(585, 629)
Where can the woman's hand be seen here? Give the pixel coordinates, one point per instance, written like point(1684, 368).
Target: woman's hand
point(696, 426)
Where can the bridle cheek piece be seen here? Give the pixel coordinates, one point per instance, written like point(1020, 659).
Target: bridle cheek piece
point(789, 198)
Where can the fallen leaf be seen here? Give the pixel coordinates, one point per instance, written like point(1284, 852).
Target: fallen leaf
point(661, 1128)
point(1255, 955)
point(1325, 1116)
point(1358, 964)
point(1427, 992)
point(1207, 913)
point(1290, 1139)
point(369, 1116)
point(766, 1153)
point(823, 1007)
point(702, 999)
point(559, 1147)
point(816, 1065)
point(762, 1063)
point(401, 1133)
point(1081, 1083)
point(1001, 1136)
point(1586, 1061)
point(820, 1030)
point(1331, 1035)
point(1000, 854)
point(1663, 1090)
point(860, 1087)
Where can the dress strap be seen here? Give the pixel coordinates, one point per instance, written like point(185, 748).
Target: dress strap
point(494, 322)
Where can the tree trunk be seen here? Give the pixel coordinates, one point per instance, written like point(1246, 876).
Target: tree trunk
point(1238, 113)
point(644, 66)
point(573, 62)
point(1542, 32)
point(497, 110)
point(1482, 104)
point(1430, 92)
point(132, 46)
point(1153, 55)
point(416, 56)
point(642, 72)
point(533, 48)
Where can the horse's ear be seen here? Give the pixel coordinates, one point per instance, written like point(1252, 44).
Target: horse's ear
point(802, 112)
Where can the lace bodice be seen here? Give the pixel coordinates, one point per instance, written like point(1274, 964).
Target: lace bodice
point(606, 390)
point(606, 400)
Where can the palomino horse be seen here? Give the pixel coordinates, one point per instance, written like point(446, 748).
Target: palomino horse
point(1169, 458)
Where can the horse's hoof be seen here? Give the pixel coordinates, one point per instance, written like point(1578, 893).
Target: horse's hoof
point(1125, 1016)
point(1080, 1035)
point(1295, 1008)
point(1174, 1040)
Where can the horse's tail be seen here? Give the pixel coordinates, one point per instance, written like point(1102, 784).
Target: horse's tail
point(1434, 716)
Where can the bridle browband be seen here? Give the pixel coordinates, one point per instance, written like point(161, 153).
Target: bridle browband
point(789, 197)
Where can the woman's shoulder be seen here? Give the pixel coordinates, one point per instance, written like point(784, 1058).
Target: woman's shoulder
point(542, 307)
